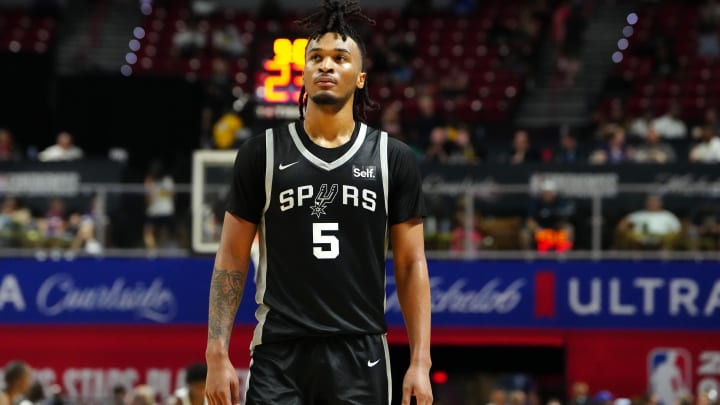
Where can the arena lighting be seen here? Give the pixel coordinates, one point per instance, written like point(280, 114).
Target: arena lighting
point(439, 377)
point(146, 9)
point(131, 58)
point(632, 18)
point(134, 45)
point(617, 57)
point(139, 33)
point(126, 70)
point(623, 44)
point(628, 31)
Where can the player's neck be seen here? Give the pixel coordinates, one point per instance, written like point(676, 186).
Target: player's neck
point(329, 129)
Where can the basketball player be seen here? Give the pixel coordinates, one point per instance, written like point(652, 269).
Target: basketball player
point(325, 194)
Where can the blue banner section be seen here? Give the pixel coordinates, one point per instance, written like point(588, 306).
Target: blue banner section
point(545, 294)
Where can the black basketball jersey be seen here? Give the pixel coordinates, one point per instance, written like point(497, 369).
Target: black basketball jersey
point(323, 235)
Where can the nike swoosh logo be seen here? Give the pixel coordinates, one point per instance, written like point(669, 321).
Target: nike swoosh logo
point(373, 363)
point(283, 167)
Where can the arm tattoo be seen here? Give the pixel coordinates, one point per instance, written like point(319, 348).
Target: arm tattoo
point(226, 289)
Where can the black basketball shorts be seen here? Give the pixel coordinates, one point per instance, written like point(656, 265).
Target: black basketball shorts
point(321, 371)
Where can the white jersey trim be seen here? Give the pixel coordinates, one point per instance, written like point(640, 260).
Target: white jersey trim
point(321, 163)
point(387, 368)
point(385, 181)
point(261, 274)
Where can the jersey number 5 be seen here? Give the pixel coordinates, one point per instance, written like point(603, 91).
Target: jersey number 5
point(329, 244)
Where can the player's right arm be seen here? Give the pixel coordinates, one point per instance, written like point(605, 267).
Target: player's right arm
point(226, 288)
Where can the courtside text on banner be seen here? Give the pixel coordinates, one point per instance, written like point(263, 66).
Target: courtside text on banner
point(569, 295)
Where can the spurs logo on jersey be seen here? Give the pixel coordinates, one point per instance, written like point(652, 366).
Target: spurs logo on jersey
point(350, 196)
point(323, 198)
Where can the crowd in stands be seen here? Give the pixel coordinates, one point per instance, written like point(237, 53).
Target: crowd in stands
point(441, 90)
point(19, 386)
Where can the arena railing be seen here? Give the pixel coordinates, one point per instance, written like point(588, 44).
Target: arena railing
point(505, 205)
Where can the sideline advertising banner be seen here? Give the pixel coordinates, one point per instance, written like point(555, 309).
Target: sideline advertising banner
point(89, 324)
point(567, 295)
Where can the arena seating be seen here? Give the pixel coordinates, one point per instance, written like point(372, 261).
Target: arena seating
point(21, 32)
point(441, 42)
point(693, 84)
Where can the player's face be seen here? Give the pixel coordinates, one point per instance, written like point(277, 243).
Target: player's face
point(332, 69)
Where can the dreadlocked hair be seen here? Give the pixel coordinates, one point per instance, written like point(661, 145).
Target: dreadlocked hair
point(333, 16)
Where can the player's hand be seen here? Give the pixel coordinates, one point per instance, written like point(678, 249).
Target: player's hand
point(417, 384)
point(222, 386)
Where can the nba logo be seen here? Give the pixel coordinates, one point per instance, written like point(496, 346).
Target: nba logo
point(669, 373)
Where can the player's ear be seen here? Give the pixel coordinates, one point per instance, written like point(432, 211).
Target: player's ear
point(360, 83)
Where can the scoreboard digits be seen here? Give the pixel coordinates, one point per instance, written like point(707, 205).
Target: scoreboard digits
point(284, 71)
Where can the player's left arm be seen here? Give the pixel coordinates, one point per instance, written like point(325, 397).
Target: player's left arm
point(413, 288)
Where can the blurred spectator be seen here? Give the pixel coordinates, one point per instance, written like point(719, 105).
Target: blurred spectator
point(498, 396)
point(567, 151)
point(614, 151)
point(518, 397)
point(18, 378)
point(654, 150)
point(189, 40)
point(203, 8)
point(64, 149)
point(160, 211)
point(8, 150)
point(670, 125)
point(639, 126)
point(580, 394)
point(15, 221)
point(549, 222)
point(227, 41)
point(462, 150)
point(603, 397)
point(35, 394)
point(82, 226)
point(54, 226)
point(649, 228)
point(460, 231)
point(427, 121)
point(437, 151)
point(194, 391)
point(704, 232)
point(119, 395)
point(143, 395)
point(522, 151)
point(708, 149)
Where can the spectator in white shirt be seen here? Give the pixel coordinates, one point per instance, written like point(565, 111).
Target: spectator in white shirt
point(708, 150)
point(160, 207)
point(670, 126)
point(189, 40)
point(64, 149)
point(640, 125)
point(654, 150)
point(650, 228)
